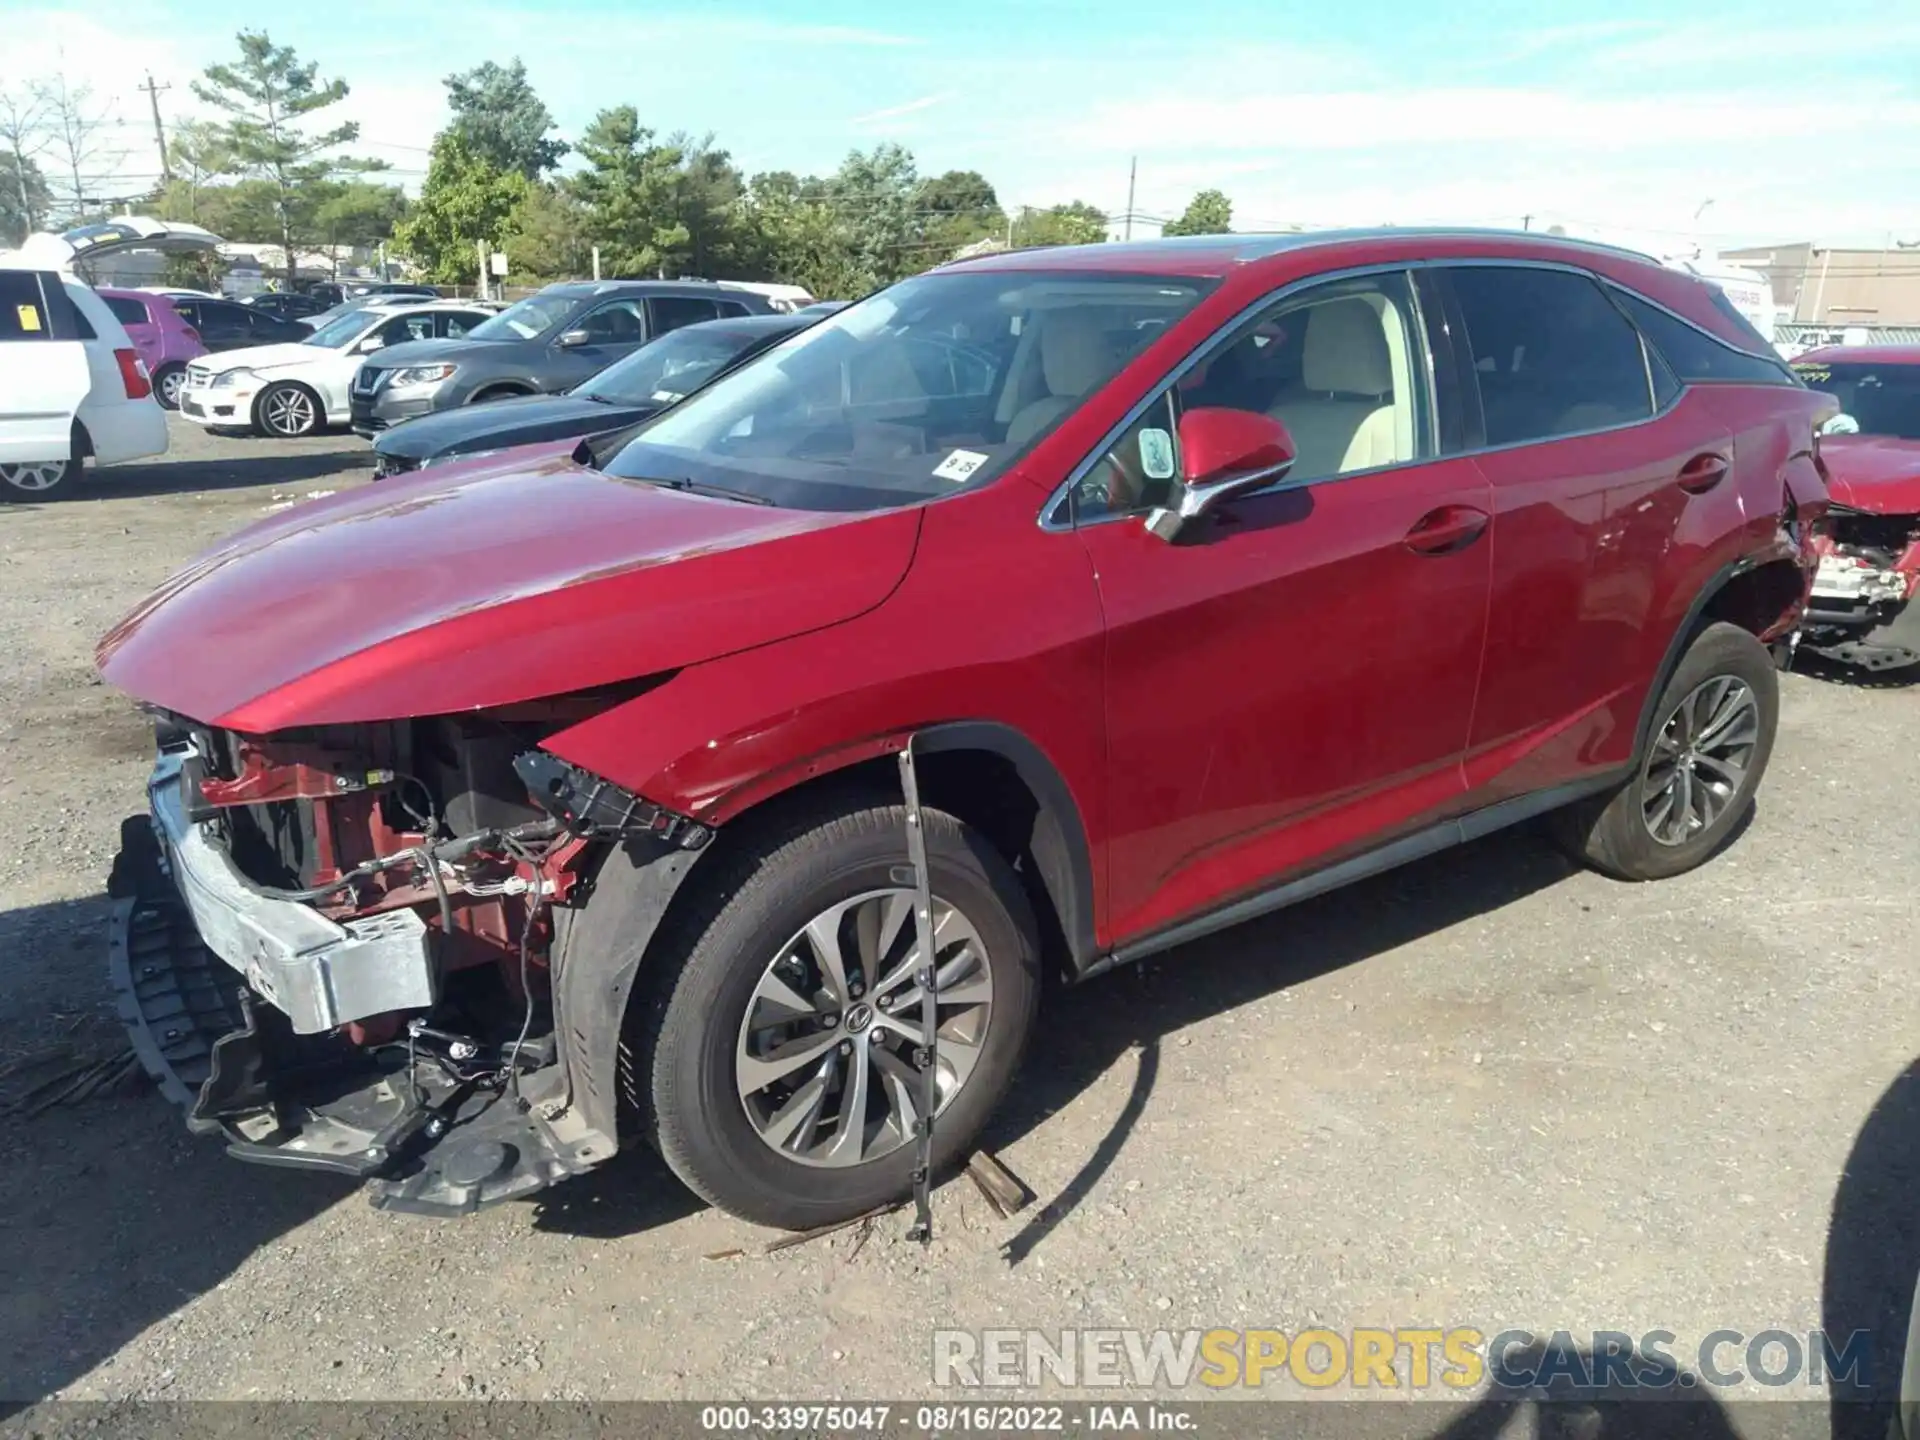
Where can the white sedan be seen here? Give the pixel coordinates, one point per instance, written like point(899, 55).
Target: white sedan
point(292, 390)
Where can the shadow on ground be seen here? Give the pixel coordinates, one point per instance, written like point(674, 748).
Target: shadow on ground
point(1833, 672)
point(1119, 1020)
point(351, 461)
point(111, 1215)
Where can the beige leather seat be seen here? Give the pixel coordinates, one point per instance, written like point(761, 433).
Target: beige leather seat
point(1348, 417)
point(1073, 359)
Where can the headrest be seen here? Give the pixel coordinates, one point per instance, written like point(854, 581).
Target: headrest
point(1073, 352)
point(1345, 350)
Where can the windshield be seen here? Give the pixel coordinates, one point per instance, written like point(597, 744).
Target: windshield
point(340, 333)
point(526, 318)
point(938, 382)
point(667, 370)
point(1879, 399)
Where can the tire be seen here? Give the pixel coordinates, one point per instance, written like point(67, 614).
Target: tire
point(52, 480)
point(168, 382)
point(1616, 833)
point(687, 1035)
point(287, 411)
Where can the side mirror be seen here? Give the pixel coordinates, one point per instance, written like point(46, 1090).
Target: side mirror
point(369, 345)
point(574, 338)
point(1228, 453)
point(1841, 424)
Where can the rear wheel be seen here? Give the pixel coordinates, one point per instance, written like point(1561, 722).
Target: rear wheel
point(45, 480)
point(168, 382)
point(778, 1055)
point(1712, 736)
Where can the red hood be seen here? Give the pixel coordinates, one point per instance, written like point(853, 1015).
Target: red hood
point(1877, 473)
point(487, 584)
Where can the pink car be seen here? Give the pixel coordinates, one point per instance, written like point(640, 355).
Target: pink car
point(165, 340)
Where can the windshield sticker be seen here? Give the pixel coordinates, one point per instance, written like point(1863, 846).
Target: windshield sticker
point(959, 465)
point(29, 317)
point(668, 396)
point(1156, 454)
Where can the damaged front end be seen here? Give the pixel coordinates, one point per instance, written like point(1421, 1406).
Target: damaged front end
point(334, 947)
point(1863, 609)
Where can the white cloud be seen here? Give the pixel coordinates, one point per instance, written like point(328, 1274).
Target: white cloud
point(912, 107)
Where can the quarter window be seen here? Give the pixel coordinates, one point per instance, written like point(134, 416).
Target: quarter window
point(23, 313)
point(1552, 356)
point(1696, 355)
point(127, 312)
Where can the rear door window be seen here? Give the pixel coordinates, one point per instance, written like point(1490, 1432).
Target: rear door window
point(452, 324)
point(402, 328)
point(670, 312)
point(126, 310)
point(1550, 353)
point(23, 309)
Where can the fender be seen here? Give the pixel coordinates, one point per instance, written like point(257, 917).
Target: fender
point(599, 949)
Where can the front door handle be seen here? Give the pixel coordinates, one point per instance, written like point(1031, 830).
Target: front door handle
point(1702, 473)
point(1447, 529)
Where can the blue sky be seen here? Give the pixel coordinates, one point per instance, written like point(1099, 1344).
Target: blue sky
point(1622, 121)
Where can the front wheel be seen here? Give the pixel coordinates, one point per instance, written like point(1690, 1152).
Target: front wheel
point(1712, 735)
point(288, 411)
point(781, 1057)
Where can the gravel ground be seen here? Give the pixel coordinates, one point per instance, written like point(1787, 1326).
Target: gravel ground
point(1487, 1090)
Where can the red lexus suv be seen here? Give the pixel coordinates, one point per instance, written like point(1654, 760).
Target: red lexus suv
point(731, 786)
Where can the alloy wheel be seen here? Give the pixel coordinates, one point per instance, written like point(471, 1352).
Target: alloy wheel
point(172, 382)
point(827, 1064)
point(1698, 763)
point(36, 478)
point(287, 411)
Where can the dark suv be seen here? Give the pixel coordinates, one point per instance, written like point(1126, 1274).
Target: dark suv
point(731, 792)
point(229, 325)
point(550, 341)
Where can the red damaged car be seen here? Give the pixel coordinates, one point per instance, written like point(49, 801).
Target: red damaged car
point(732, 792)
point(1863, 610)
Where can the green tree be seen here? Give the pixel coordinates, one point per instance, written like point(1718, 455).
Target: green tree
point(873, 193)
point(198, 154)
point(956, 209)
point(1208, 213)
point(1075, 223)
point(500, 119)
point(464, 200)
point(628, 194)
point(356, 213)
point(24, 197)
point(797, 238)
point(266, 96)
point(544, 236)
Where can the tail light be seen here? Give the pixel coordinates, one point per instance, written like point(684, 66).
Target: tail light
point(191, 333)
point(133, 374)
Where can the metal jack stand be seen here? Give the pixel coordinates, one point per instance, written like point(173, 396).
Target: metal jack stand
point(926, 1056)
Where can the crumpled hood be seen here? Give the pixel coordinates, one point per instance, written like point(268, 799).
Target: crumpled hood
point(1877, 473)
point(485, 583)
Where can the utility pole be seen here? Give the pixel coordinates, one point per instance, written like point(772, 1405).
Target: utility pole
point(1526, 222)
point(159, 130)
point(1133, 169)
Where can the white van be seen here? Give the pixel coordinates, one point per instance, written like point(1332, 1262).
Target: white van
point(72, 386)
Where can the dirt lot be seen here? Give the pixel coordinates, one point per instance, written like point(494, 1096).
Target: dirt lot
point(1486, 1090)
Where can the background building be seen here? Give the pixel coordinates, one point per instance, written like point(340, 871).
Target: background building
point(1838, 288)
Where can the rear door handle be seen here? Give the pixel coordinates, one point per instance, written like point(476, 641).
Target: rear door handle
point(1702, 473)
point(1447, 529)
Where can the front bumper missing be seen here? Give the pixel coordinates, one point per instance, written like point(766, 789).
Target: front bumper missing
point(424, 1143)
point(320, 973)
point(1861, 614)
